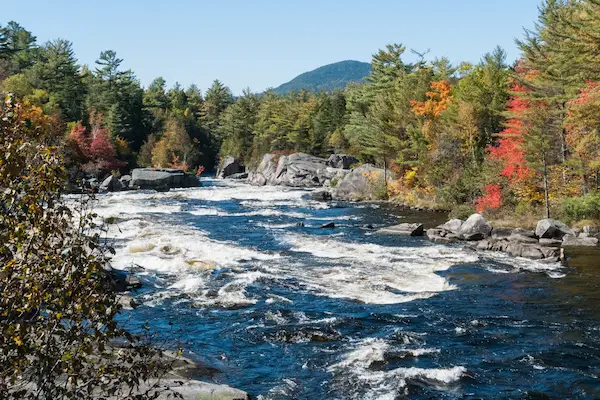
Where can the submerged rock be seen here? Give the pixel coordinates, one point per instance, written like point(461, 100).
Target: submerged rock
point(403, 229)
point(329, 225)
point(321, 195)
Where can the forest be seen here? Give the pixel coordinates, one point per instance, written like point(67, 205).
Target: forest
point(500, 137)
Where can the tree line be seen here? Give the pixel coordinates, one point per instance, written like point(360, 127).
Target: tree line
point(491, 136)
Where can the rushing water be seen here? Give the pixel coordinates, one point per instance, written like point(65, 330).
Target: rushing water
point(286, 311)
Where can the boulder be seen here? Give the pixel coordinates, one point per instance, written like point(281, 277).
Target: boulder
point(321, 195)
point(341, 161)
point(591, 230)
point(520, 238)
point(552, 229)
point(532, 251)
point(475, 228)
point(238, 176)
point(162, 179)
point(230, 166)
point(573, 241)
point(110, 184)
point(452, 226)
point(403, 229)
point(361, 183)
point(126, 181)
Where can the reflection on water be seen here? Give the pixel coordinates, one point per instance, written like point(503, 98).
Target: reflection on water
point(245, 278)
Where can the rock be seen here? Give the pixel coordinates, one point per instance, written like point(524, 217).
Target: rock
point(532, 251)
point(321, 195)
point(520, 238)
point(162, 178)
point(341, 161)
point(433, 233)
point(591, 230)
point(369, 226)
point(572, 241)
point(361, 183)
point(230, 166)
point(329, 225)
point(196, 390)
point(444, 240)
point(550, 242)
point(453, 225)
point(403, 229)
point(552, 229)
point(475, 228)
point(110, 184)
point(240, 175)
point(125, 181)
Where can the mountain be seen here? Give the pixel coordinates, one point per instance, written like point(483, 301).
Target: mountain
point(328, 77)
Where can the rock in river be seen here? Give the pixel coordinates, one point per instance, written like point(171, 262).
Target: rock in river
point(552, 229)
point(230, 166)
point(403, 229)
point(162, 178)
point(475, 228)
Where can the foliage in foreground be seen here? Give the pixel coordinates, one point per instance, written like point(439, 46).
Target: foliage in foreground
point(57, 307)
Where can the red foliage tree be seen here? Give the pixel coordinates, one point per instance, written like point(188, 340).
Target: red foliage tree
point(509, 148)
point(491, 200)
point(101, 151)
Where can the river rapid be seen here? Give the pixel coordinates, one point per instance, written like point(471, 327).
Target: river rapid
point(290, 311)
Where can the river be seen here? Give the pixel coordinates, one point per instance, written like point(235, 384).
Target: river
point(244, 279)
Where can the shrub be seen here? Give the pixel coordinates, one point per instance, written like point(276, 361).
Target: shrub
point(462, 211)
point(578, 208)
point(58, 307)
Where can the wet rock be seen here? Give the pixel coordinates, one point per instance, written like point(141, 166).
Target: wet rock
point(403, 229)
point(552, 229)
point(126, 181)
point(341, 161)
point(162, 178)
point(329, 225)
point(110, 184)
point(475, 228)
point(238, 176)
point(572, 241)
point(230, 166)
point(321, 195)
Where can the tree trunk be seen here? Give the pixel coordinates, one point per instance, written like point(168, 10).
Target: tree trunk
point(546, 200)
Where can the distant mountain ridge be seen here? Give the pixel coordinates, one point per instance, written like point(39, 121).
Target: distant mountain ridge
point(328, 77)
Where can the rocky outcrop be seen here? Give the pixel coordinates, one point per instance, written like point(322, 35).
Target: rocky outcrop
point(362, 183)
point(403, 229)
point(297, 170)
point(482, 236)
point(341, 161)
point(162, 179)
point(230, 166)
point(552, 229)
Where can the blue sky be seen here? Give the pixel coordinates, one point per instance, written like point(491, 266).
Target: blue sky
point(263, 43)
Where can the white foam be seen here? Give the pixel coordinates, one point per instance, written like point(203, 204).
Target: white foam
point(372, 273)
point(355, 370)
